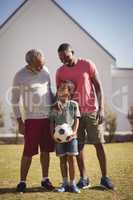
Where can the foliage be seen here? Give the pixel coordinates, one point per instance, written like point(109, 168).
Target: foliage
point(1, 116)
point(130, 117)
point(110, 122)
point(13, 127)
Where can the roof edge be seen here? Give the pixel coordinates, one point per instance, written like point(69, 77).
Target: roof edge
point(84, 30)
point(122, 68)
point(25, 1)
point(10, 16)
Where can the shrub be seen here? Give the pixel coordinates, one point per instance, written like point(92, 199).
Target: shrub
point(14, 127)
point(110, 122)
point(130, 117)
point(1, 116)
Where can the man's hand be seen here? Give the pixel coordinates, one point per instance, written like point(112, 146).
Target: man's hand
point(21, 126)
point(100, 116)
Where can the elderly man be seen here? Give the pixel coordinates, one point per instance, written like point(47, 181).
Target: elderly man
point(32, 83)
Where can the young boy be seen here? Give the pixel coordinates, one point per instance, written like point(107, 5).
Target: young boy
point(66, 111)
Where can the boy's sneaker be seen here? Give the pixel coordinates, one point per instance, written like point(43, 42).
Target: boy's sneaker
point(74, 188)
point(83, 183)
point(107, 183)
point(47, 185)
point(63, 188)
point(21, 187)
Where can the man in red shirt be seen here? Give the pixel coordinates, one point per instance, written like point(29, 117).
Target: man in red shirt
point(89, 95)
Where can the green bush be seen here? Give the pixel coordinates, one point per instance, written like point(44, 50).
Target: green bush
point(130, 117)
point(110, 122)
point(1, 116)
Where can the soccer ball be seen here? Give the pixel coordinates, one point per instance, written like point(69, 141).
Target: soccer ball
point(63, 132)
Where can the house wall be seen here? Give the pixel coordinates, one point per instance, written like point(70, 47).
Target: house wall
point(122, 96)
point(41, 24)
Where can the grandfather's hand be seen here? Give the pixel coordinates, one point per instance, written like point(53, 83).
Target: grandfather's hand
point(100, 116)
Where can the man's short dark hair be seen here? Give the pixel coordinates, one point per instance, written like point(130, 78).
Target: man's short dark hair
point(64, 47)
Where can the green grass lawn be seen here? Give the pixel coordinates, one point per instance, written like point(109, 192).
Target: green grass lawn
point(120, 169)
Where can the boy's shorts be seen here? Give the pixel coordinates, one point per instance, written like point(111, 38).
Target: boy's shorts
point(67, 148)
point(89, 130)
point(37, 134)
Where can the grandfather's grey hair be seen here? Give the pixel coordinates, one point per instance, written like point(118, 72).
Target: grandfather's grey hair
point(32, 54)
